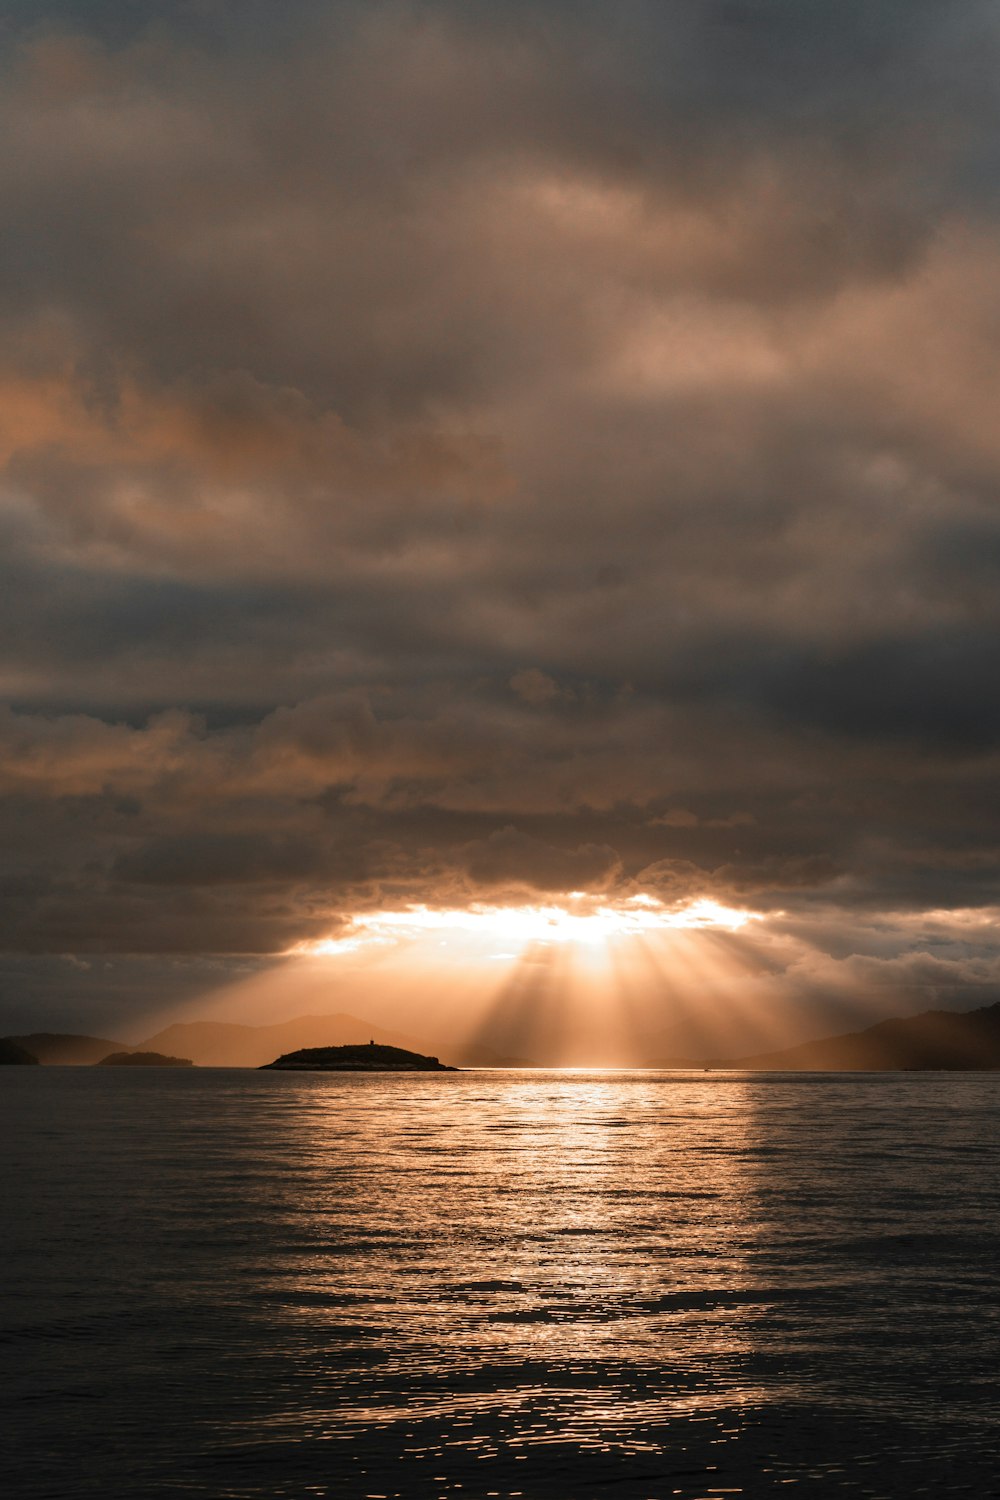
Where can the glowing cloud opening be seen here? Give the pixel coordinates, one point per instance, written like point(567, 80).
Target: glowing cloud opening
point(581, 921)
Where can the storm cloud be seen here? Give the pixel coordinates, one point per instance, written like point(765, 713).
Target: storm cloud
point(453, 449)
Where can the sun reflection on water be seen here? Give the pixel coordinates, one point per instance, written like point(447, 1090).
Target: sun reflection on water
point(586, 1234)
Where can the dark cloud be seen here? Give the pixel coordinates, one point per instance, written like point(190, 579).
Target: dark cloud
point(509, 858)
point(459, 449)
point(221, 859)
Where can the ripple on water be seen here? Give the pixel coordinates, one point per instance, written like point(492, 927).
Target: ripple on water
point(225, 1284)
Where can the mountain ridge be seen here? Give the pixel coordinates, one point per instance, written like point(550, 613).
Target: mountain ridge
point(954, 1041)
point(933, 1039)
point(68, 1048)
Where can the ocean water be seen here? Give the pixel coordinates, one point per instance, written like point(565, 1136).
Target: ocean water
point(239, 1284)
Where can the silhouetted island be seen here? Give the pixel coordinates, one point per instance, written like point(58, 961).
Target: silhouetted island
point(143, 1060)
point(372, 1058)
point(10, 1052)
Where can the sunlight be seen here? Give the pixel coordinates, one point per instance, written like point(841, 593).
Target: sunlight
point(582, 920)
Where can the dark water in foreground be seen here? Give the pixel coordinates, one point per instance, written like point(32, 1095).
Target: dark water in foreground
point(238, 1284)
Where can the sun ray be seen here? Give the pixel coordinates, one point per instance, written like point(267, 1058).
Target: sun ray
point(578, 979)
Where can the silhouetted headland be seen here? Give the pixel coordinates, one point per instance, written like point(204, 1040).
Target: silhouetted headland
point(949, 1041)
point(143, 1060)
point(372, 1058)
point(12, 1052)
point(67, 1049)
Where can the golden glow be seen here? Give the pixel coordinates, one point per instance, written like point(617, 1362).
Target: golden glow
point(575, 918)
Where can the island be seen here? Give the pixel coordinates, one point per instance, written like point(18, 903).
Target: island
point(372, 1058)
point(143, 1060)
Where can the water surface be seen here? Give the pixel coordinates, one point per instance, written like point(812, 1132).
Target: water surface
point(240, 1284)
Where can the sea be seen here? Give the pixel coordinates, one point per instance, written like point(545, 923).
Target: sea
point(234, 1285)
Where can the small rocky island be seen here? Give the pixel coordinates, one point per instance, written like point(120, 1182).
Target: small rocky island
point(143, 1060)
point(358, 1059)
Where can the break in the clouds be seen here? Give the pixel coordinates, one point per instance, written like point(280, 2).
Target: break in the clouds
point(460, 451)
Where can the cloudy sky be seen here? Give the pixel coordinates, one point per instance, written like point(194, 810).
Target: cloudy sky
point(456, 454)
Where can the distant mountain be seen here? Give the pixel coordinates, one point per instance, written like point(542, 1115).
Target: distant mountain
point(12, 1052)
point(65, 1048)
point(964, 1041)
point(370, 1059)
point(143, 1060)
point(226, 1044)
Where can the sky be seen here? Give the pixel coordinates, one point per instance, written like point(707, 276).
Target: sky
point(482, 459)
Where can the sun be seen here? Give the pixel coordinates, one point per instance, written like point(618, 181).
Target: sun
point(572, 918)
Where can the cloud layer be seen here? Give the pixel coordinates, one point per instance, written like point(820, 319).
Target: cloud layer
point(455, 449)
